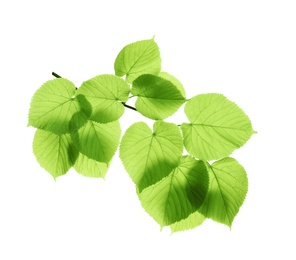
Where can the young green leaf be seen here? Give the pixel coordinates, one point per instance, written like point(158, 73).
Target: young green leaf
point(194, 220)
point(218, 127)
point(98, 141)
point(55, 153)
point(178, 195)
point(104, 93)
point(158, 98)
point(89, 167)
point(55, 108)
point(174, 80)
point(79, 128)
point(147, 156)
point(227, 191)
point(138, 58)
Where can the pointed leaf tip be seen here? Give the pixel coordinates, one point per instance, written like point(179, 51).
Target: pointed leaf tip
point(227, 191)
point(194, 220)
point(174, 81)
point(138, 58)
point(55, 153)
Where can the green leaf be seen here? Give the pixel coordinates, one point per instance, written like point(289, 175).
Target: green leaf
point(98, 141)
point(147, 156)
point(55, 153)
point(174, 80)
point(227, 191)
point(138, 58)
point(158, 98)
point(55, 108)
point(178, 195)
point(104, 93)
point(218, 127)
point(194, 220)
point(89, 167)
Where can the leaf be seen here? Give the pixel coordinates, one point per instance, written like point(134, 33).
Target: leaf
point(227, 191)
point(138, 58)
point(174, 80)
point(89, 167)
point(104, 93)
point(158, 98)
point(218, 127)
point(147, 156)
point(178, 195)
point(55, 153)
point(98, 141)
point(194, 220)
point(55, 108)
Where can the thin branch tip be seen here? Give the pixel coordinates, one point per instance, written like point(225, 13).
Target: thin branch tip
point(55, 75)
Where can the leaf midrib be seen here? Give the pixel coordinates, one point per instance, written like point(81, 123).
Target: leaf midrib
point(222, 196)
point(224, 127)
point(168, 195)
point(148, 153)
point(128, 72)
point(177, 99)
point(70, 100)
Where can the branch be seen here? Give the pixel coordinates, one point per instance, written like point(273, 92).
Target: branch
point(133, 108)
point(56, 75)
point(123, 103)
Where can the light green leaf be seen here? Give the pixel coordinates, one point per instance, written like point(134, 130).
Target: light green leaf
point(194, 220)
point(104, 93)
point(55, 108)
point(174, 80)
point(227, 191)
point(98, 141)
point(89, 167)
point(147, 156)
point(178, 195)
point(158, 98)
point(218, 127)
point(138, 58)
point(55, 153)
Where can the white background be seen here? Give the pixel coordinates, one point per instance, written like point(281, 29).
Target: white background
point(243, 49)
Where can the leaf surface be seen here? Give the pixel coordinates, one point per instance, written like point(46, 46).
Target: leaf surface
point(105, 93)
point(174, 80)
point(55, 108)
point(227, 191)
point(178, 195)
point(194, 220)
point(89, 167)
point(158, 98)
point(55, 153)
point(138, 58)
point(218, 127)
point(98, 141)
point(149, 156)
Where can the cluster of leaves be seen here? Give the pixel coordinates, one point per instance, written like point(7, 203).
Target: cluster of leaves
point(79, 128)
